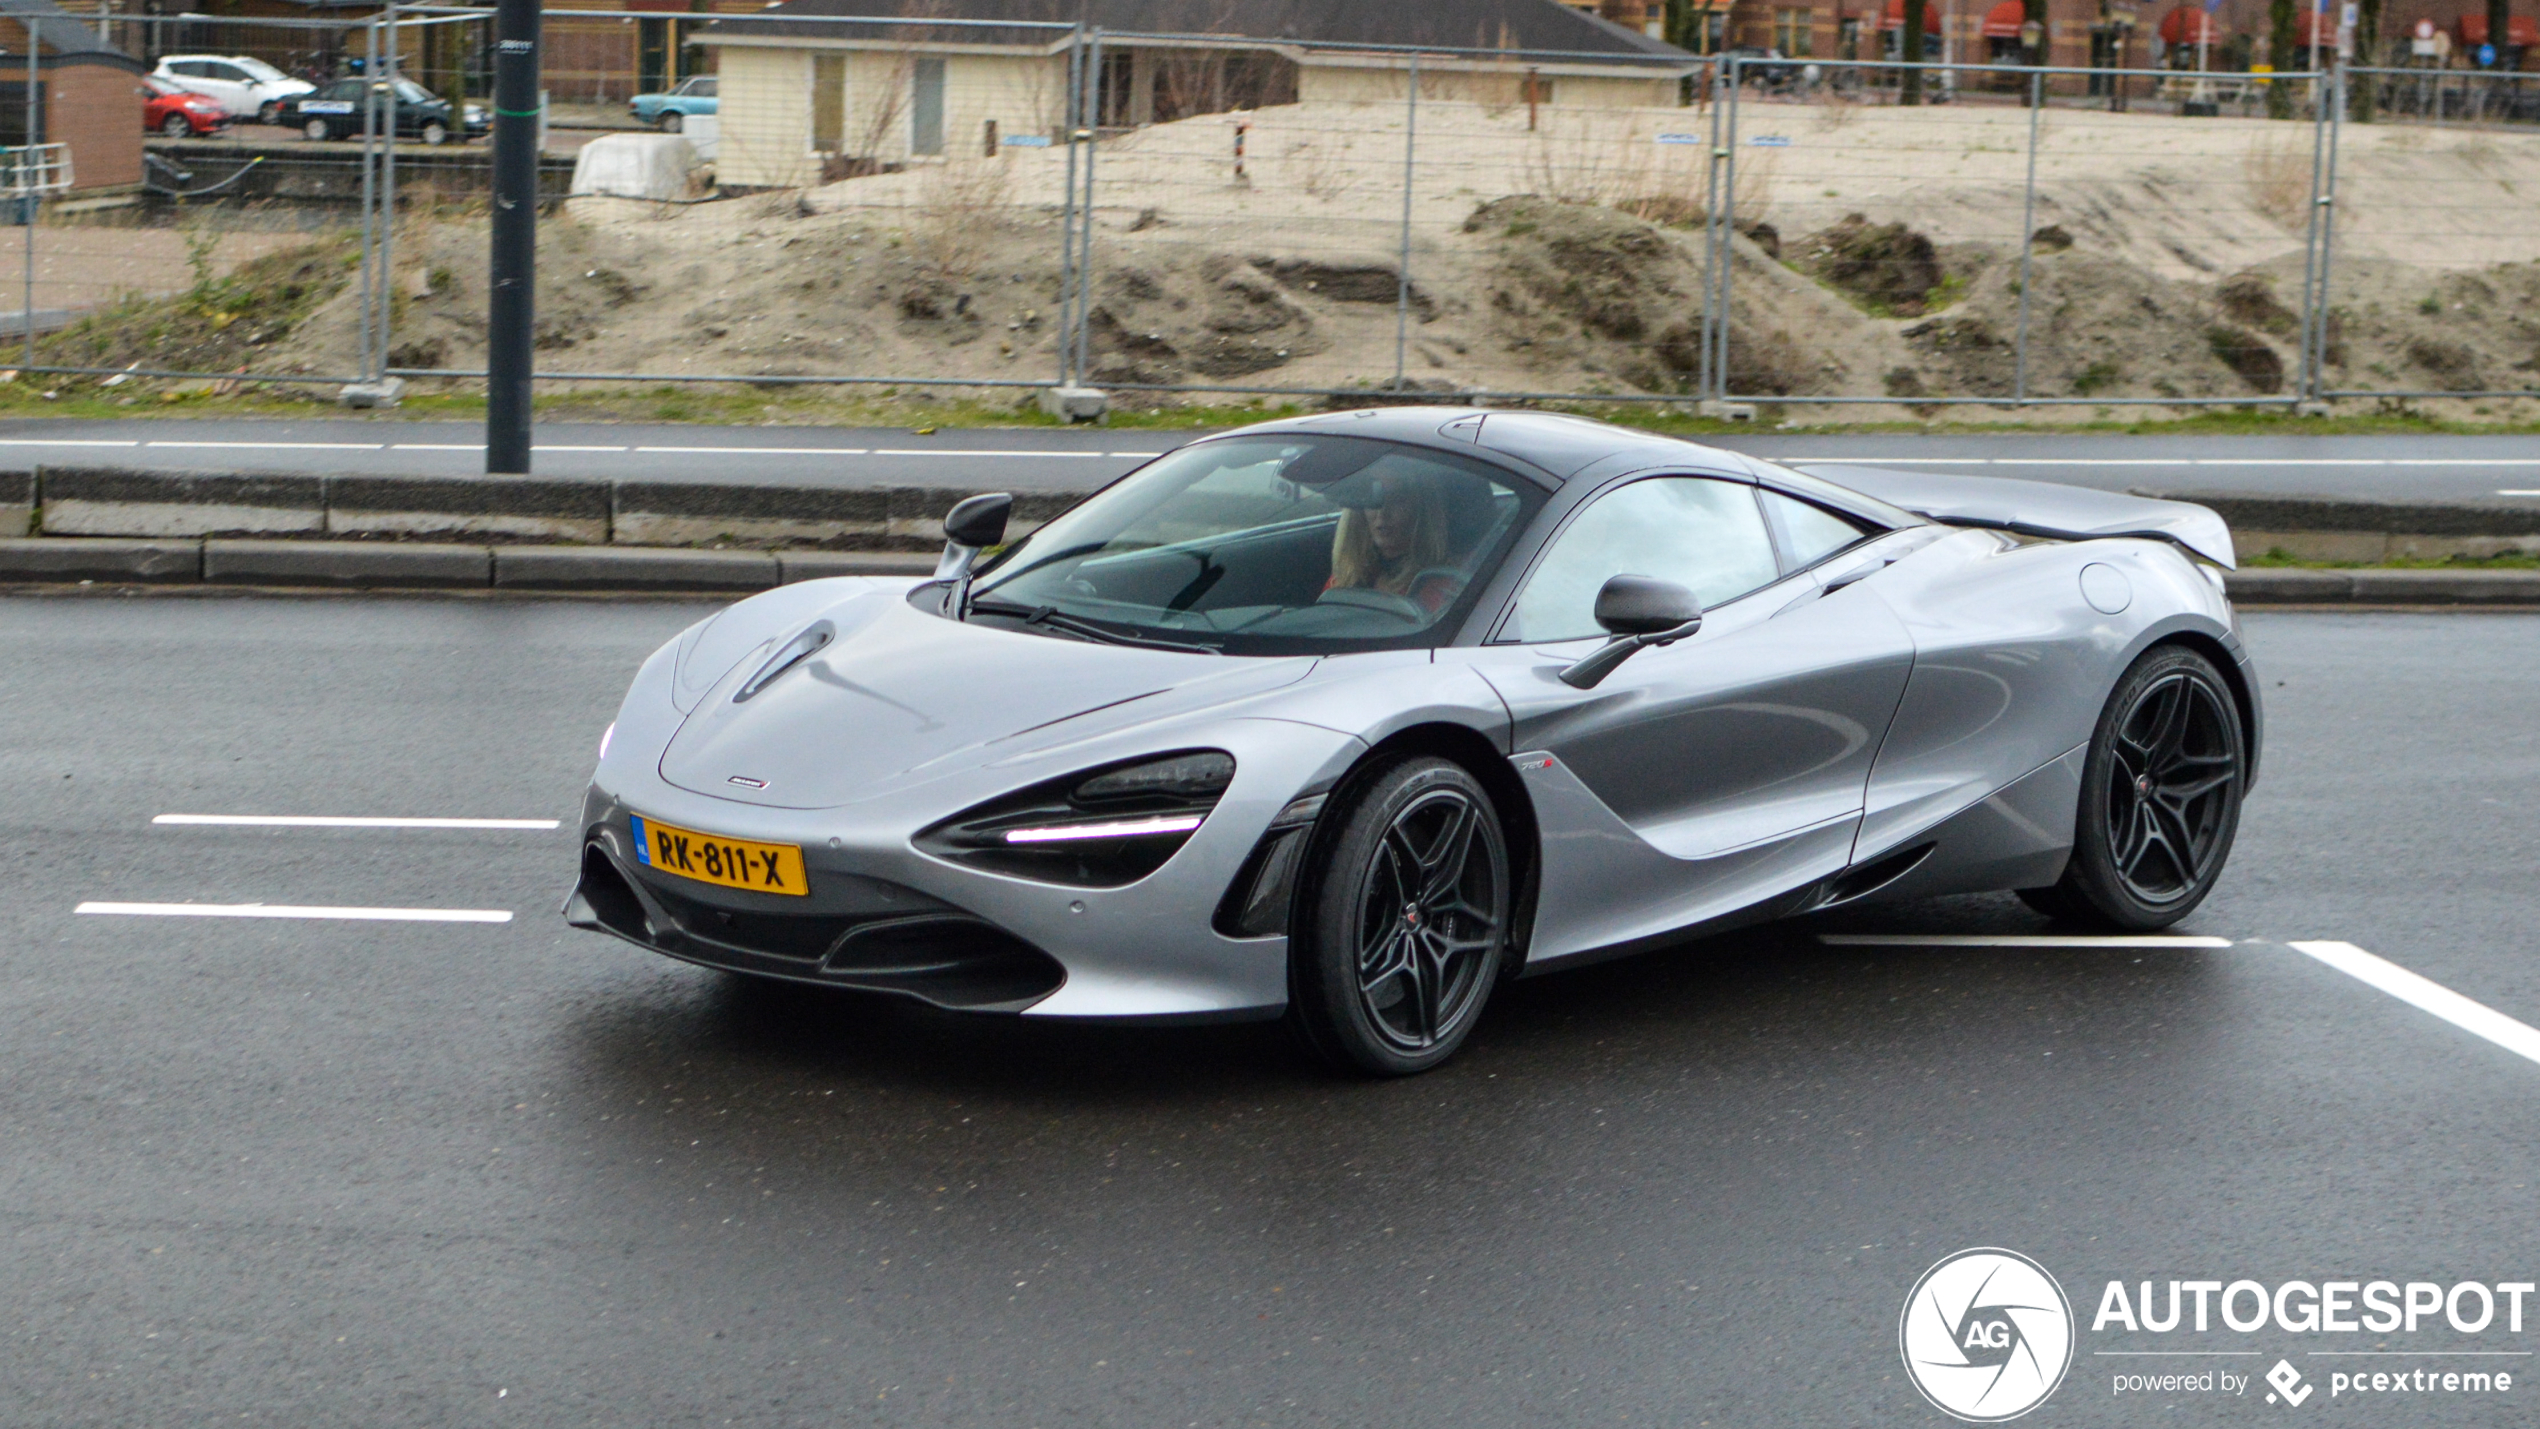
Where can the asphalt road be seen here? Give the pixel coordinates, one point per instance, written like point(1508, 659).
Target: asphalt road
point(327, 1172)
point(2503, 470)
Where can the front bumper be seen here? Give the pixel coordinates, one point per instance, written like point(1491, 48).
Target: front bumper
point(885, 917)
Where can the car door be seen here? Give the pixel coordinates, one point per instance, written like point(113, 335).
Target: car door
point(232, 86)
point(1701, 777)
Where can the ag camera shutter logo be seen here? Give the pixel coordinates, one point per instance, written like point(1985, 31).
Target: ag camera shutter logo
point(1987, 1335)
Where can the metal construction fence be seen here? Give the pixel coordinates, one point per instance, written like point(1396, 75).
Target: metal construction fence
point(920, 204)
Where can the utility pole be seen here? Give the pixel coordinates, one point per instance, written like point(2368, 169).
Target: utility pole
point(513, 308)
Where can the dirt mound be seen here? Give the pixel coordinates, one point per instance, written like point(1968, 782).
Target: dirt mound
point(1891, 269)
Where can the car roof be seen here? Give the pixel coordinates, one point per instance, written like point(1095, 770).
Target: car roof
point(1556, 444)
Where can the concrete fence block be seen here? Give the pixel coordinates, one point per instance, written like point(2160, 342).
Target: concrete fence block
point(690, 513)
point(59, 560)
point(112, 501)
point(628, 569)
point(818, 565)
point(534, 508)
point(2289, 587)
point(359, 564)
point(17, 503)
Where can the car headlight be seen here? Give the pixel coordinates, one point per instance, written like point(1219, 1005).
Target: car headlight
point(1099, 828)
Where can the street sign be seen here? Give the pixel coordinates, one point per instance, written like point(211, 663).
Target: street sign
point(2486, 56)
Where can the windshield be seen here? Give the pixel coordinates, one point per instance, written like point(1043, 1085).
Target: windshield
point(258, 68)
point(413, 93)
point(1268, 545)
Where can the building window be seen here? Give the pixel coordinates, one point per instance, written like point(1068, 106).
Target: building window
point(829, 103)
point(1794, 32)
point(1706, 31)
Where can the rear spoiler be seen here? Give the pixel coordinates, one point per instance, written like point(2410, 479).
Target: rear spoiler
point(2040, 508)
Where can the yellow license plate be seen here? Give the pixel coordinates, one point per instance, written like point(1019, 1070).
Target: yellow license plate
point(712, 858)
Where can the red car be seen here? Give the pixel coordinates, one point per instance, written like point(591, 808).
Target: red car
point(179, 113)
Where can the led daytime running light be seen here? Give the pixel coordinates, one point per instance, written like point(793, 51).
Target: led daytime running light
point(1115, 829)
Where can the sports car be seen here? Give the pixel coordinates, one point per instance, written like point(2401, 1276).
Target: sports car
point(1350, 718)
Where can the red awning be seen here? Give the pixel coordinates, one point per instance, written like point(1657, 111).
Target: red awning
point(2188, 24)
point(2519, 30)
point(1895, 19)
point(2003, 21)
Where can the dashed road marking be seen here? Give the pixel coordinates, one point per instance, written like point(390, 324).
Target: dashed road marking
point(2427, 995)
point(2021, 940)
point(284, 910)
point(330, 821)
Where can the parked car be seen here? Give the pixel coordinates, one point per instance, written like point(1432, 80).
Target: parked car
point(243, 84)
point(335, 112)
point(177, 112)
point(670, 111)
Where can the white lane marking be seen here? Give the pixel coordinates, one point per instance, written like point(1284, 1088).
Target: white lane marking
point(438, 447)
point(2162, 461)
point(2428, 996)
point(764, 451)
point(282, 910)
point(277, 446)
point(943, 451)
point(2019, 940)
point(49, 442)
point(326, 821)
point(2517, 491)
point(576, 449)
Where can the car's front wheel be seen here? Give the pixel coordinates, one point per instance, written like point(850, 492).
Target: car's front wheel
point(270, 112)
point(1403, 931)
point(435, 132)
point(177, 126)
point(317, 131)
point(672, 123)
point(2160, 797)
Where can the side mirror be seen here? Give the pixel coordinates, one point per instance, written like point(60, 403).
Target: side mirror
point(970, 527)
point(1637, 611)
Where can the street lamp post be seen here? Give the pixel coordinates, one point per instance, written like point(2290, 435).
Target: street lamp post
point(512, 308)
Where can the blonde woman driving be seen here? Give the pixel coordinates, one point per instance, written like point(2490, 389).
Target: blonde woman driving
point(1397, 545)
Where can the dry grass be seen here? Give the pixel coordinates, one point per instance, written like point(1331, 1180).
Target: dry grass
point(2277, 172)
point(959, 212)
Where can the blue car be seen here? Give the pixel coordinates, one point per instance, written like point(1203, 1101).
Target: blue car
point(669, 112)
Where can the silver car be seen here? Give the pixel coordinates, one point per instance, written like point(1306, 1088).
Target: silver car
point(1350, 718)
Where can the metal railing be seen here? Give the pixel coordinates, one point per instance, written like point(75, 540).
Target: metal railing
point(1162, 215)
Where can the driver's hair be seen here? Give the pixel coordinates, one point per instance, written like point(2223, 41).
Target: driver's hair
point(1355, 563)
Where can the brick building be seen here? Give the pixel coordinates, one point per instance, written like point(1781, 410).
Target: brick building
point(88, 95)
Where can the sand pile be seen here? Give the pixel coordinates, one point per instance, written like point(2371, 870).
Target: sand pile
point(1878, 256)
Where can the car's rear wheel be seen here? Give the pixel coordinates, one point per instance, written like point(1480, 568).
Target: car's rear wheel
point(671, 122)
point(2160, 797)
point(1402, 931)
point(317, 131)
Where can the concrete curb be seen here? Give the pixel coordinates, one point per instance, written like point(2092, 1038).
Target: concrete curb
point(2384, 587)
point(418, 565)
point(125, 502)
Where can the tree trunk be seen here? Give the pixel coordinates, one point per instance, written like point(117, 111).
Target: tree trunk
point(2033, 12)
point(2359, 100)
point(2499, 27)
point(2284, 51)
point(1911, 43)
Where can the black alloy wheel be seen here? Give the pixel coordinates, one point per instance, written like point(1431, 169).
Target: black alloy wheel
point(270, 112)
point(1407, 927)
point(2160, 797)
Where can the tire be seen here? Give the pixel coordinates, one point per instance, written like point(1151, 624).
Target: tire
point(317, 131)
point(177, 126)
point(436, 133)
point(2160, 798)
point(1402, 927)
point(270, 112)
point(672, 122)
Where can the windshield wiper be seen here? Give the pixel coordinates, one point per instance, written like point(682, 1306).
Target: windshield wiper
point(1050, 617)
